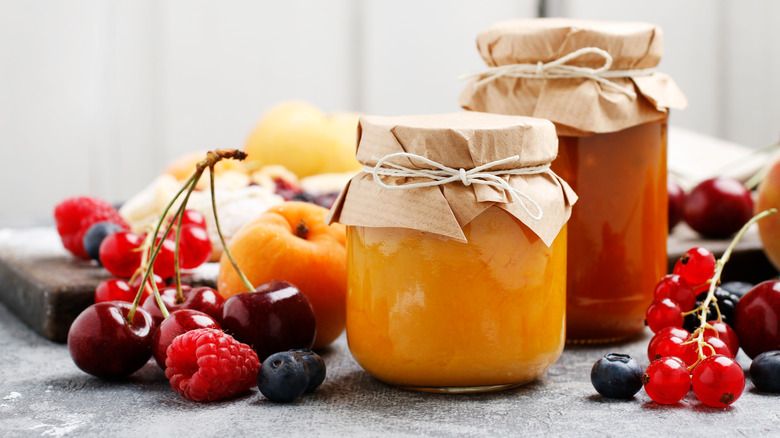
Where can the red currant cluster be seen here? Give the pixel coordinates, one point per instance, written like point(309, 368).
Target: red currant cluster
point(680, 359)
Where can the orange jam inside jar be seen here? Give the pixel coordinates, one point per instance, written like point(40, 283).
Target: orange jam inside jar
point(456, 251)
point(596, 81)
point(428, 313)
point(617, 240)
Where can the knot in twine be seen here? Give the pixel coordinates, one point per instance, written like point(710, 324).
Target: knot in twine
point(560, 69)
point(441, 174)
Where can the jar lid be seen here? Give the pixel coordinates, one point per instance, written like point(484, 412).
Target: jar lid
point(435, 173)
point(586, 76)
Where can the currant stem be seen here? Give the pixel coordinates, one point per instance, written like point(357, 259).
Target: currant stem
point(240, 273)
point(715, 281)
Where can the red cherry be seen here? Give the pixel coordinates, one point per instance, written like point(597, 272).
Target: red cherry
point(195, 246)
point(718, 381)
point(676, 289)
point(757, 319)
point(102, 343)
point(676, 202)
point(664, 313)
point(115, 289)
point(667, 380)
point(696, 266)
point(278, 317)
point(119, 253)
point(718, 207)
point(177, 323)
point(159, 282)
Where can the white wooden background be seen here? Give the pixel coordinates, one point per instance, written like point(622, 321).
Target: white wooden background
point(97, 96)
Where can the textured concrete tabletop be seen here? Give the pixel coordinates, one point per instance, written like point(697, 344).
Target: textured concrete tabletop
point(43, 394)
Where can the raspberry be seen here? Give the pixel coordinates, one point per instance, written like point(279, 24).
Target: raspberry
point(208, 364)
point(75, 215)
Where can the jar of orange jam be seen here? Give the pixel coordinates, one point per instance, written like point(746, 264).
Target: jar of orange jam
point(596, 81)
point(456, 280)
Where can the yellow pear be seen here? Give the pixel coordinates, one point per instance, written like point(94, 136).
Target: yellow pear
point(300, 137)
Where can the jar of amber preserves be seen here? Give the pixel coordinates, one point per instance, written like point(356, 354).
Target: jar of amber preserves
point(596, 81)
point(456, 251)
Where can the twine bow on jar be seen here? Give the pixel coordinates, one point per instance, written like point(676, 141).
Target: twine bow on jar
point(559, 68)
point(440, 174)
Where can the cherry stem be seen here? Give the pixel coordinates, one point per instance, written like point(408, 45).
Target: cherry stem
point(240, 273)
point(180, 217)
point(714, 282)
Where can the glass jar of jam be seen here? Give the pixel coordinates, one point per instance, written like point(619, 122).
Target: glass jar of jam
point(455, 284)
point(596, 82)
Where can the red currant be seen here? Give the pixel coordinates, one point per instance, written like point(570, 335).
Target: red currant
point(696, 266)
point(193, 217)
point(664, 313)
point(119, 253)
point(667, 380)
point(726, 334)
point(195, 246)
point(718, 381)
point(163, 264)
point(662, 337)
point(669, 346)
point(114, 289)
point(676, 289)
point(718, 345)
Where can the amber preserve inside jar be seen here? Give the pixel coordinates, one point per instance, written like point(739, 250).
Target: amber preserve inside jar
point(596, 82)
point(456, 280)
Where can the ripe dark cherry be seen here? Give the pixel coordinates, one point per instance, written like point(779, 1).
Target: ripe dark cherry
point(757, 319)
point(203, 299)
point(277, 317)
point(718, 381)
point(718, 207)
point(696, 266)
point(676, 202)
point(676, 289)
point(175, 324)
point(662, 314)
point(667, 380)
point(118, 253)
point(102, 343)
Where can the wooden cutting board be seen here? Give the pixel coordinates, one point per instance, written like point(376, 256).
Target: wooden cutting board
point(47, 287)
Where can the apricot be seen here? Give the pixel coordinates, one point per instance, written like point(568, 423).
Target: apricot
point(302, 138)
point(768, 196)
point(291, 242)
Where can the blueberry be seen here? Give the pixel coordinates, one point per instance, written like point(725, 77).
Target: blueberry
point(616, 376)
point(283, 377)
point(303, 197)
point(765, 371)
point(738, 288)
point(316, 368)
point(95, 235)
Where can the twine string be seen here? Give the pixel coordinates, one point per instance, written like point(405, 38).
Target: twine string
point(438, 174)
point(559, 68)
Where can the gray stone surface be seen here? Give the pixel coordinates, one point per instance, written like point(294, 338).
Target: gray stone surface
point(42, 393)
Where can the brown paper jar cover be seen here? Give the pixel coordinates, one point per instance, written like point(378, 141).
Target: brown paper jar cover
point(578, 106)
point(463, 140)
